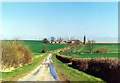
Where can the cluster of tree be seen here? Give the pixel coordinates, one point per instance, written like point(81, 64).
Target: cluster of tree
point(61, 40)
point(14, 53)
point(52, 39)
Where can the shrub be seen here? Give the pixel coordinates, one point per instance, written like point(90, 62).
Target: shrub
point(43, 50)
point(14, 53)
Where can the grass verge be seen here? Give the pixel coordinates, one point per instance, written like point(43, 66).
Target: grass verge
point(22, 71)
point(105, 55)
point(66, 73)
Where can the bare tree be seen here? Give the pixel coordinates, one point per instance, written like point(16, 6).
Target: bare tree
point(89, 46)
point(52, 39)
point(60, 39)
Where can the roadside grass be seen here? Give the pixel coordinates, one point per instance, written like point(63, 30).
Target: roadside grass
point(108, 55)
point(67, 73)
point(22, 71)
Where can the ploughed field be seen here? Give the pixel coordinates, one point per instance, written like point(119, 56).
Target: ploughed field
point(81, 52)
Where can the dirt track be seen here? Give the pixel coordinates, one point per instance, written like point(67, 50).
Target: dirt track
point(44, 72)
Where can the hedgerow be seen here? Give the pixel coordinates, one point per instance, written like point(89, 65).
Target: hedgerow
point(107, 69)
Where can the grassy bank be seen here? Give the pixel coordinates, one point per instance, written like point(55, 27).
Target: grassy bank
point(21, 71)
point(69, 74)
point(108, 55)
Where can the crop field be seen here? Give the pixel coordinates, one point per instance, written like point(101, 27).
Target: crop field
point(91, 55)
point(37, 46)
point(78, 52)
point(112, 47)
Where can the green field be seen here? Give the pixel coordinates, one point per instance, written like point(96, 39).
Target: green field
point(37, 46)
point(112, 47)
point(79, 52)
point(91, 55)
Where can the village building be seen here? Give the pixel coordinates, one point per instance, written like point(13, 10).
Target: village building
point(69, 41)
point(74, 41)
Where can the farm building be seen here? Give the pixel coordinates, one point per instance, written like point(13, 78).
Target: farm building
point(74, 41)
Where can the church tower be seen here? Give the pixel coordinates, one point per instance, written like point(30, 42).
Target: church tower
point(84, 42)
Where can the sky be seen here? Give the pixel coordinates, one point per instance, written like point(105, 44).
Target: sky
point(60, 0)
point(37, 20)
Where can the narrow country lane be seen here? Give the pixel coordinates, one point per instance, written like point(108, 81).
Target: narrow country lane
point(44, 72)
